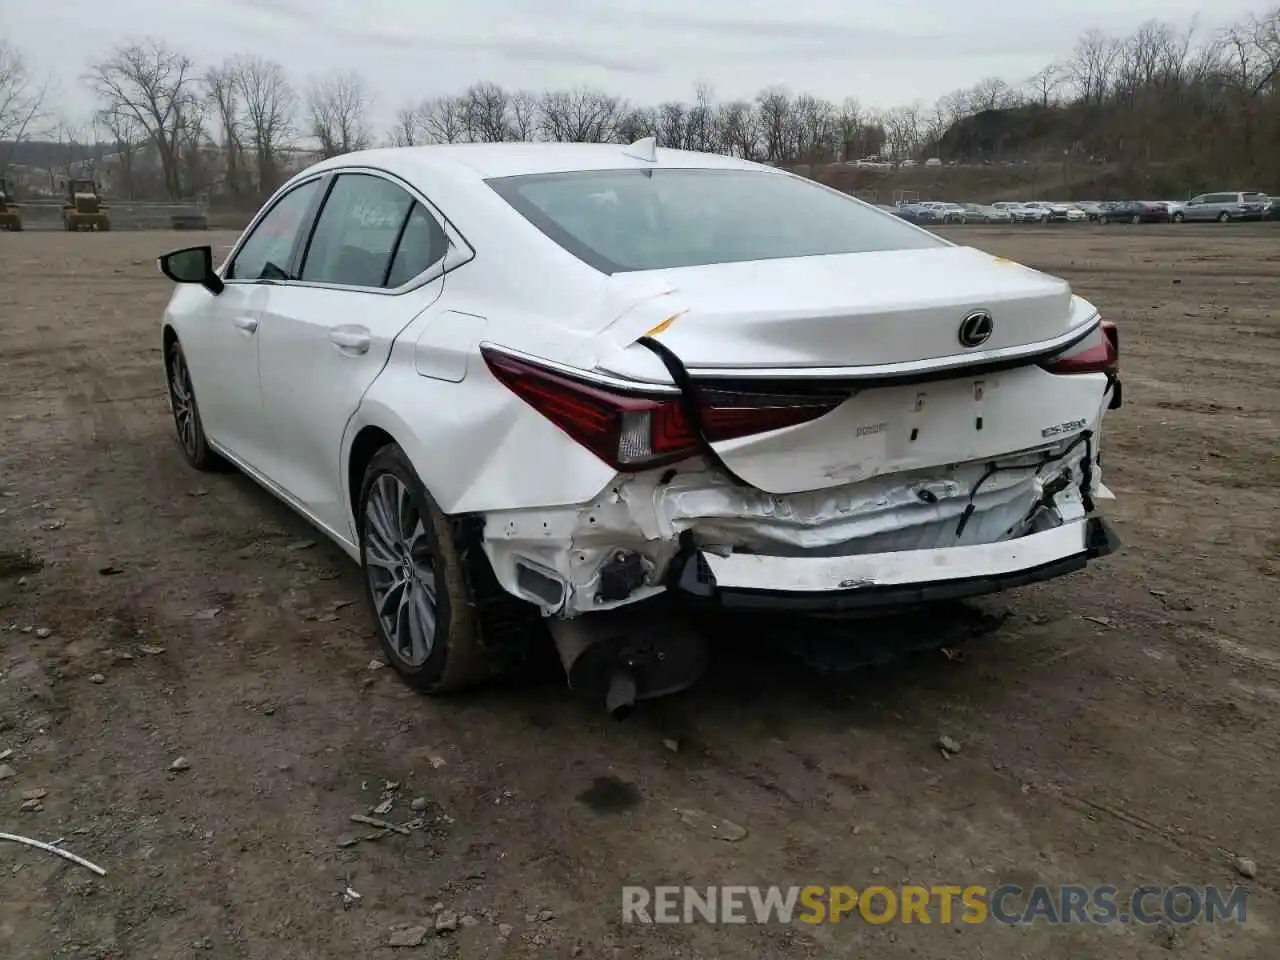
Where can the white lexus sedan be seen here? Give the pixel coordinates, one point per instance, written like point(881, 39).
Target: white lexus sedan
point(565, 379)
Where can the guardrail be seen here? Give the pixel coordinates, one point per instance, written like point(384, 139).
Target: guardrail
point(124, 214)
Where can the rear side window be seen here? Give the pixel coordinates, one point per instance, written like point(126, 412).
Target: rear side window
point(422, 244)
point(357, 231)
point(624, 220)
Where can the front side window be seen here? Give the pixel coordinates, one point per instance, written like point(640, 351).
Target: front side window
point(266, 253)
point(624, 220)
point(357, 231)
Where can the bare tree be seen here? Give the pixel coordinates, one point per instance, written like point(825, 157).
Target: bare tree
point(638, 123)
point(270, 112)
point(443, 119)
point(1254, 53)
point(223, 93)
point(777, 124)
point(815, 121)
point(581, 115)
point(699, 127)
point(21, 99)
point(1091, 68)
point(992, 93)
point(1045, 84)
point(154, 85)
point(486, 113)
point(337, 107)
point(525, 117)
point(902, 130)
point(739, 125)
point(123, 137)
point(848, 123)
point(193, 147)
point(406, 129)
point(670, 124)
point(64, 155)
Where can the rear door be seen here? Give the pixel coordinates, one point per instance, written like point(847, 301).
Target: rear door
point(363, 277)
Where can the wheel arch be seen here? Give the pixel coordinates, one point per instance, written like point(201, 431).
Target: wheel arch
point(368, 440)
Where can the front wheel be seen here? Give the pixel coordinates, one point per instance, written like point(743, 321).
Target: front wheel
point(1178, 217)
point(416, 580)
point(1224, 217)
point(186, 414)
point(1103, 220)
point(1135, 219)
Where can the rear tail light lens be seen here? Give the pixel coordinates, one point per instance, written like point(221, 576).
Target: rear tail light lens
point(1097, 353)
point(635, 430)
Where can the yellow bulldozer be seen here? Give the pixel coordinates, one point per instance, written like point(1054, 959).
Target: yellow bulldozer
point(84, 209)
point(10, 216)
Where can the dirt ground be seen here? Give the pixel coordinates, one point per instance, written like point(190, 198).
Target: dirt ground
point(1120, 726)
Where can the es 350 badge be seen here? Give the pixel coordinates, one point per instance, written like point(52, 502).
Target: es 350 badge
point(1071, 426)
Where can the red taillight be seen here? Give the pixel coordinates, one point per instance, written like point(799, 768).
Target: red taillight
point(634, 430)
point(1097, 353)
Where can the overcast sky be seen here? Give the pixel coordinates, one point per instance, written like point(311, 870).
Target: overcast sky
point(647, 50)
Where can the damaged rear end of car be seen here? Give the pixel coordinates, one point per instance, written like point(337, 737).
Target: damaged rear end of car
point(835, 432)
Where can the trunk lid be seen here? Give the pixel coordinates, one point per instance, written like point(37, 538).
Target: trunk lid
point(751, 322)
point(859, 309)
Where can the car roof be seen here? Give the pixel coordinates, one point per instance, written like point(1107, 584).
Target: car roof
point(488, 160)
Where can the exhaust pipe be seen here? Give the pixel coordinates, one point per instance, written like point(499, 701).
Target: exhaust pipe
point(620, 699)
point(625, 655)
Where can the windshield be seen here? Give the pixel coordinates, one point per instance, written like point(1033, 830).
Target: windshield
point(624, 220)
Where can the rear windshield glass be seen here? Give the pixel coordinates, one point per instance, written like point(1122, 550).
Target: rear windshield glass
point(623, 220)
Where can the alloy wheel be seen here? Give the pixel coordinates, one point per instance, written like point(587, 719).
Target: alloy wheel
point(400, 569)
point(182, 397)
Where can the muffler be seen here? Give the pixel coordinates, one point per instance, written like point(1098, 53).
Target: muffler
point(629, 654)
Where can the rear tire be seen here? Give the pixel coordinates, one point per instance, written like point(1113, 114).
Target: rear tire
point(1178, 217)
point(416, 580)
point(1135, 219)
point(1102, 219)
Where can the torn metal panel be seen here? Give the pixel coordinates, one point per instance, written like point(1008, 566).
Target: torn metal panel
point(961, 505)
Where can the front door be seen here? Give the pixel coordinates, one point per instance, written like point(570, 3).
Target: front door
point(224, 356)
point(325, 336)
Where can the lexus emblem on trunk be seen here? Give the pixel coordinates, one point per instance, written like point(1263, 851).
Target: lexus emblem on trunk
point(976, 329)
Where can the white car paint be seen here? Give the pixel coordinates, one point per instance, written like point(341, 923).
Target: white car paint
point(289, 374)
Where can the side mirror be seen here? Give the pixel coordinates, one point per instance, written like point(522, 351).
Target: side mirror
point(192, 265)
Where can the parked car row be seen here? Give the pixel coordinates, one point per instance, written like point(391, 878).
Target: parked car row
point(1220, 207)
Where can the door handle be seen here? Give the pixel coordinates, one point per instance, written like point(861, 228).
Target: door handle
point(351, 339)
point(247, 324)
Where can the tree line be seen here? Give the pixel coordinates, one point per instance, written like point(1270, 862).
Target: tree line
point(164, 126)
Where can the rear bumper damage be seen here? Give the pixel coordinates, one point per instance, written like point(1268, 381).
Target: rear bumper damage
point(937, 533)
point(901, 578)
